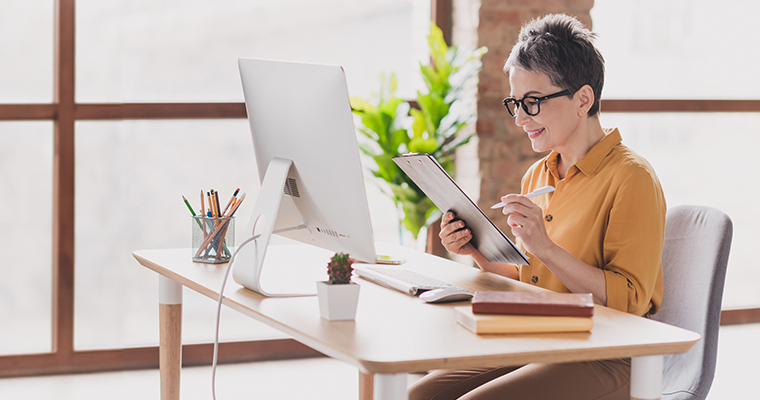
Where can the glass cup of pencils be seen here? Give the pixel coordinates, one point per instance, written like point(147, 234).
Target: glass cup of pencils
point(213, 239)
point(214, 227)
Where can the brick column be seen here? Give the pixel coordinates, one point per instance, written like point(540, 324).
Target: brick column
point(503, 149)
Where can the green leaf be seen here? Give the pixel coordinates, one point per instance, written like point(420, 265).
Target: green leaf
point(419, 145)
point(437, 44)
point(418, 125)
point(433, 110)
point(359, 104)
point(400, 137)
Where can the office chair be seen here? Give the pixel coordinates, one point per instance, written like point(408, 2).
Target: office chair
point(694, 258)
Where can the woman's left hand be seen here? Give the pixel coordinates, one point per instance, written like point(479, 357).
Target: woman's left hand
point(526, 220)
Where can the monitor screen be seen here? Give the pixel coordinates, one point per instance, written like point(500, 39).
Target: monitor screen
point(301, 113)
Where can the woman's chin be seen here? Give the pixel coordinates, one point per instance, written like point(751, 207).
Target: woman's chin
point(538, 147)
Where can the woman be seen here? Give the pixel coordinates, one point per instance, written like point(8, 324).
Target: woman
point(600, 232)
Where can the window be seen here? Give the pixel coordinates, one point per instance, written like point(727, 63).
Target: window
point(691, 50)
point(111, 136)
point(25, 237)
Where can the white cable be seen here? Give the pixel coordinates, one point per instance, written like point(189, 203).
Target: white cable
point(221, 297)
point(219, 310)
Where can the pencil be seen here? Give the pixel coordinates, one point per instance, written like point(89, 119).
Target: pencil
point(203, 205)
point(222, 238)
point(232, 199)
point(197, 221)
point(210, 204)
point(187, 203)
point(235, 207)
point(203, 213)
point(216, 204)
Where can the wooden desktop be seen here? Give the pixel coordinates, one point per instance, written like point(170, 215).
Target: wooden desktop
point(394, 334)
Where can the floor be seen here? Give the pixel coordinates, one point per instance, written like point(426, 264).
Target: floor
point(321, 378)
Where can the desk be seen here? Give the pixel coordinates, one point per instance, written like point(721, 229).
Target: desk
point(395, 334)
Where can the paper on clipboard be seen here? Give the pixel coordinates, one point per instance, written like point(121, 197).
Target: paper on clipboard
point(428, 174)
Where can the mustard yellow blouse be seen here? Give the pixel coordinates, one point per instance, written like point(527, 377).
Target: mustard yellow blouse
point(609, 211)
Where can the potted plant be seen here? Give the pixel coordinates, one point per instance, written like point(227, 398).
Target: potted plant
point(338, 297)
point(392, 127)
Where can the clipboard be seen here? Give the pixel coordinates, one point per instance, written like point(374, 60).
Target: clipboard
point(428, 174)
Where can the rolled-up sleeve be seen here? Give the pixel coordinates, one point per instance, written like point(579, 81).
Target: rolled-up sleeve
point(633, 244)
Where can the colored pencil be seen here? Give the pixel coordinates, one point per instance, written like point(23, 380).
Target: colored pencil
point(216, 204)
point(232, 199)
point(203, 205)
point(187, 203)
point(203, 213)
point(210, 204)
point(235, 207)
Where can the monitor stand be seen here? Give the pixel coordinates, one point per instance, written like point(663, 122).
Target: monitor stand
point(249, 261)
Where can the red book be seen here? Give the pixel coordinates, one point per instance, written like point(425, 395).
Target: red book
point(531, 303)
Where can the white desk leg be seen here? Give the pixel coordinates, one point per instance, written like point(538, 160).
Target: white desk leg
point(390, 387)
point(646, 377)
point(170, 350)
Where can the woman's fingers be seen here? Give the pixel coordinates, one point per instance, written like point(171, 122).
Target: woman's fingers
point(446, 218)
point(457, 241)
point(454, 233)
point(449, 225)
point(526, 220)
point(516, 203)
point(516, 221)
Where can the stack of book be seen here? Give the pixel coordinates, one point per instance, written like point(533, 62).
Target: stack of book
point(527, 312)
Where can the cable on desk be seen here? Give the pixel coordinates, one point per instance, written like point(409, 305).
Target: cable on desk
point(219, 308)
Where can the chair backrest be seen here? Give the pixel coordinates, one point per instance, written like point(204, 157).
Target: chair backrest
point(694, 259)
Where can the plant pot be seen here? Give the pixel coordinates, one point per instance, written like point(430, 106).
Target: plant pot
point(337, 302)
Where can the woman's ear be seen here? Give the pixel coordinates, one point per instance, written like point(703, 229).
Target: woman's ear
point(585, 96)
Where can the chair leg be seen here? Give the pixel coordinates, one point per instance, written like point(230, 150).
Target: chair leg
point(390, 387)
point(646, 377)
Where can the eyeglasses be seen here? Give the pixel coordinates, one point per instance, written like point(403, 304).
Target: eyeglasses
point(530, 104)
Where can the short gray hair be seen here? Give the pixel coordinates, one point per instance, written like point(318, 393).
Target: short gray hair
point(558, 46)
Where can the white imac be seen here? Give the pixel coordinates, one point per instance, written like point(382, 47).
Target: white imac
point(312, 186)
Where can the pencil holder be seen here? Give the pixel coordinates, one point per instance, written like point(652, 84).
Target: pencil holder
point(213, 239)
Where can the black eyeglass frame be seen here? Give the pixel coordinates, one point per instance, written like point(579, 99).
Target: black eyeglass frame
point(521, 102)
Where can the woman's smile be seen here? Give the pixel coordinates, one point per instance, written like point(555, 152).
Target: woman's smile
point(532, 134)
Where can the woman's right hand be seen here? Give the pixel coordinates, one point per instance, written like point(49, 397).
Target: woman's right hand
point(455, 236)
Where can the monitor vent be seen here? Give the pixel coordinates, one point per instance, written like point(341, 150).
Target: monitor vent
point(291, 189)
point(329, 232)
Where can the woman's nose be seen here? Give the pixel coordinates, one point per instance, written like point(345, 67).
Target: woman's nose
point(521, 117)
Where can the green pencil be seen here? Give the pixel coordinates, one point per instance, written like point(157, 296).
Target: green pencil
point(187, 203)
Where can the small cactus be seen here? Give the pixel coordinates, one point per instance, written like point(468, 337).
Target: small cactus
point(339, 269)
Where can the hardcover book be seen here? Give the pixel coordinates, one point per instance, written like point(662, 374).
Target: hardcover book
point(495, 324)
point(531, 303)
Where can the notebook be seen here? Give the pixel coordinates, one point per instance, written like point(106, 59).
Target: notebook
point(533, 303)
point(495, 324)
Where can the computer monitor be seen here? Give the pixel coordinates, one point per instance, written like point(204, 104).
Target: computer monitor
point(312, 185)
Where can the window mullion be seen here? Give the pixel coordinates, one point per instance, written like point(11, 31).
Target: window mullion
point(63, 180)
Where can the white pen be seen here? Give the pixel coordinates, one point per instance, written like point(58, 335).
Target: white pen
point(537, 192)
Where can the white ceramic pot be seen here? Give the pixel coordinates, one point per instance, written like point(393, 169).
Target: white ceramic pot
point(337, 302)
